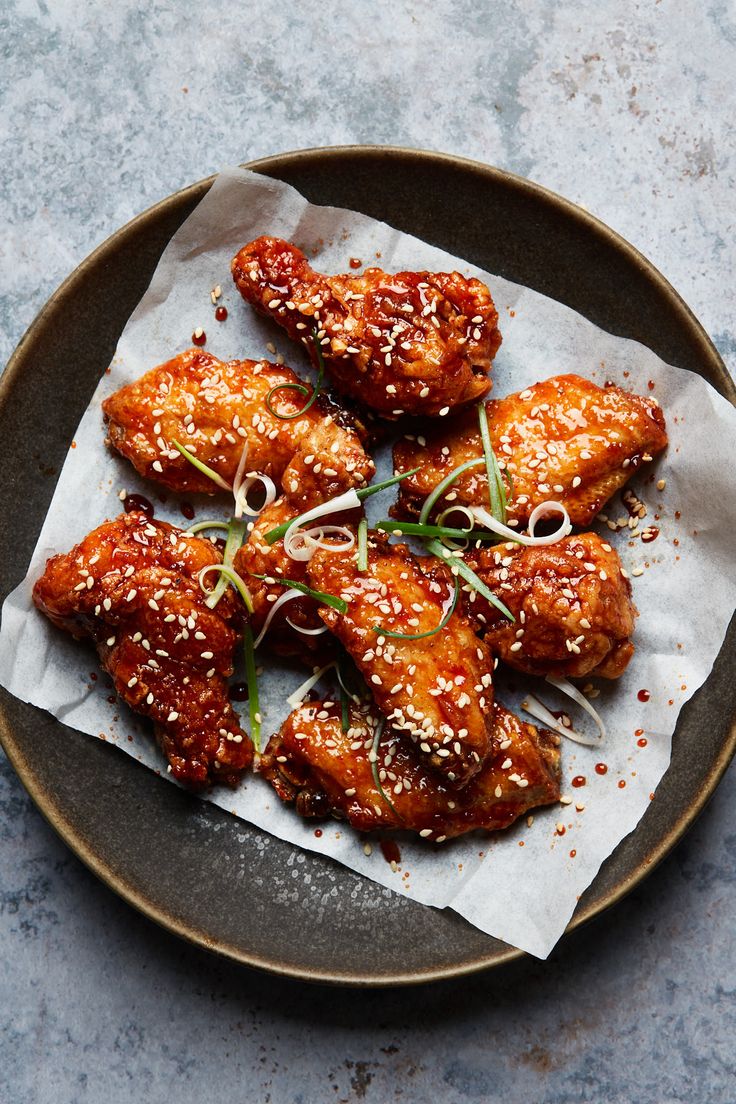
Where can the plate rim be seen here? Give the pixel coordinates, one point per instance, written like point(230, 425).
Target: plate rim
point(274, 165)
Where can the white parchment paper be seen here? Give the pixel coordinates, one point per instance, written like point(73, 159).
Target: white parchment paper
point(522, 885)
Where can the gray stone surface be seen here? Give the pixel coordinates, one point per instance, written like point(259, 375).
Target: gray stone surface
point(624, 107)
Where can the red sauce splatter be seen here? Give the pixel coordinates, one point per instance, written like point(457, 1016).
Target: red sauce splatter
point(650, 534)
point(609, 383)
point(112, 699)
point(560, 829)
point(642, 741)
point(622, 783)
point(512, 313)
point(601, 768)
point(521, 843)
point(355, 262)
point(678, 515)
point(187, 510)
point(578, 781)
point(390, 851)
point(643, 695)
point(138, 502)
point(573, 853)
point(93, 676)
point(239, 691)
point(627, 374)
point(199, 338)
point(318, 832)
point(221, 314)
point(650, 385)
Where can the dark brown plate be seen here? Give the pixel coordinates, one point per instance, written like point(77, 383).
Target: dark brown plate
point(186, 864)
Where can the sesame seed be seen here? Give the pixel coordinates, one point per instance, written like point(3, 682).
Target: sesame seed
point(173, 716)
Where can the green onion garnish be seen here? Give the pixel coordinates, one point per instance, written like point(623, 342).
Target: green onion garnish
point(235, 537)
point(431, 632)
point(344, 703)
point(443, 485)
point(363, 544)
point(496, 489)
point(203, 468)
point(365, 492)
point(252, 681)
point(415, 529)
point(373, 756)
point(319, 596)
point(300, 387)
point(200, 525)
point(457, 563)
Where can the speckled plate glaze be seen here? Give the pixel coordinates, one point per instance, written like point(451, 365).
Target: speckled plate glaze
point(184, 863)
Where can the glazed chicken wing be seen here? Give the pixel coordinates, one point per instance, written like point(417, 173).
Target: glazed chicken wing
point(214, 408)
point(572, 604)
point(409, 343)
point(131, 586)
point(564, 439)
point(324, 770)
point(437, 689)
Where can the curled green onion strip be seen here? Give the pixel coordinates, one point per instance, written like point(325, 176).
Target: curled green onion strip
point(374, 766)
point(319, 595)
point(235, 538)
point(430, 632)
point(456, 563)
point(363, 544)
point(496, 489)
point(251, 679)
point(441, 487)
point(300, 387)
point(201, 467)
point(200, 525)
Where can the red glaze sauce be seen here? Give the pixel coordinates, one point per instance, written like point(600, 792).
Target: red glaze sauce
point(355, 262)
point(650, 534)
point(573, 853)
point(560, 830)
point(390, 851)
point(318, 832)
point(112, 699)
point(578, 781)
point(239, 691)
point(93, 676)
point(622, 783)
point(199, 339)
point(643, 695)
point(221, 315)
point(642, 741)
point(187, 510)
point(138, 502)
point(601, 768)
point(650, 385)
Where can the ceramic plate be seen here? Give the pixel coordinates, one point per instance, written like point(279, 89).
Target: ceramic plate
point(183, 862)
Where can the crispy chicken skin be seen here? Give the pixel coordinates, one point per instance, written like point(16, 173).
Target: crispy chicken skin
point(131, 587)
point(214, 407)
point(438, 690)
point(410, 343)
point(323, 770)
point(571, 600)
point(564, 439)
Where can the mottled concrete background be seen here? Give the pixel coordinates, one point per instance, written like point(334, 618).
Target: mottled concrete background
point(624, 107)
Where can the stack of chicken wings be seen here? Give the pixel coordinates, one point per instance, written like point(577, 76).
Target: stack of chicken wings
point(418, 740)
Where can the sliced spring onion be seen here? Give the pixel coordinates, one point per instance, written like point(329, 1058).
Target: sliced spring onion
point(301, 544)
point(363, 544)
point(242, 505)
point(496, 489)
point(373, 757)
point(203, 468)
point(537, 709)
point(319, 596)
point(300, 387)
point(447, 614)
point(231, 576)
point(530, 540)
point(199, 526)
point(306, 632)
point(442, 486)
point(254, 706)
point(457, 563)
point(566, 687)
point(282, 600)
point(416, 529)
point(297, 696)
point(235, 537)
point(344, 707)
point(349, 500)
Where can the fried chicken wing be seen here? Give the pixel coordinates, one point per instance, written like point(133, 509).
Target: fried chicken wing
point(404, 343)
point(131, 586)
point(563, 439)
point(214, 408)
point(323, 770)
point(437, 689)
point(572, 604)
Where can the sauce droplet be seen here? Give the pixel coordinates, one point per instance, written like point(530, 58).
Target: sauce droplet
point(355, 262)
point(649, 534)
point(187, 510)
point(221, 315)
point(318, 832)
point(650, 385)
point(239, 691)
point(578, 781)
point(390, 851)
point(601, 768)
point(199, 336)
point(560, 829)
point(642, 741)
point(93, 676)
point(112, 699)
point(138, 502)
point(622, 783)
point(643, 695)
point(573, 853)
